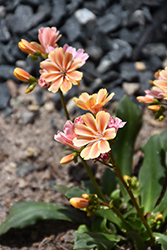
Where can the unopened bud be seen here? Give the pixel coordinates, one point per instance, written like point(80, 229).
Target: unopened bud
point(67, 159)
point(154, 108)
point(21, 74)
point(85, 196)
point(79, 202)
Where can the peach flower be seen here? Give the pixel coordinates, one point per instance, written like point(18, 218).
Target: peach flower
point(94, 135)
point(60, 70)
point(95, 102)
point(78, 202)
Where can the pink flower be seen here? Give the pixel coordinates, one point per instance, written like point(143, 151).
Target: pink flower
point(60, 70)
point(48, 38)
point(94, 134)
point(42, 83)
point(162, 80)
point(117, 123)
point(76, 53)
point(66, 137)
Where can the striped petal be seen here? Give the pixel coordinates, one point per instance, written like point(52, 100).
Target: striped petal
point(161, 84)
point(109, 134)
point(84, 97)
point(80, 103)
point(81, 141)
point(75, 64)
point(85, 152)
point(56, 85)
point(83, 130)
point(67, 60)
point(102, 119)
point(66, 86)
point(90, 121)
point(94, 151)
point(163, 74)
point(104, 146)
point(49, 66)
point(75, 75)
point(49, 77)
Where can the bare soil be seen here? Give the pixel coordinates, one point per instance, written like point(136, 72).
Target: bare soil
point(34, 143)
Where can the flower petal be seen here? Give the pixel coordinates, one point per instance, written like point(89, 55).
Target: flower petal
point(104, 146)
point(90, 121)
point(75, 75)
point(161, 84)
point(66, 86)
point(56, 85)
point(102, 119)
point(163, 74)
point(109, 134)
point(81, 129)
point(75, 64)
point(49, 66)
point(94, 151)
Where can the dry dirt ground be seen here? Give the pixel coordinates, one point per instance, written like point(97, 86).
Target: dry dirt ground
point(34, 143)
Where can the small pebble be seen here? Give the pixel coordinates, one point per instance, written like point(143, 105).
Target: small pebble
point(49, 107)
point(131, 88)
point(140, 66)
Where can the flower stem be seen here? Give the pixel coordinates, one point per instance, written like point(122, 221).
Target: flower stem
point(64, 105)
point(114, 166)
point(92, 178)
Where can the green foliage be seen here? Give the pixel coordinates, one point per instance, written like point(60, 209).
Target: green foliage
point(88, 240)
point(124, 145)
point(108, 181)
point(161, 239)
point(24, 214)
point(152, 173)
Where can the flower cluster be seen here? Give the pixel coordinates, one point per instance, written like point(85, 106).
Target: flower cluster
point(157, 93)
point(90, 134)
point(59, 69)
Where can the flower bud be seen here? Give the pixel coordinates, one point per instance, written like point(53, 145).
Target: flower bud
point(21, 74)
point(79, 202)
point(27, 47)
point(85, 196)
point(154, 108)
point(67, 159)
point(145, 99)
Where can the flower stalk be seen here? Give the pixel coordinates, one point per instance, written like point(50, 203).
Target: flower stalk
point(64, 105)
point(92, 178)
point(114, 166)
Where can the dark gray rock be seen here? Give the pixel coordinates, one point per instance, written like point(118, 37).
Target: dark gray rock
point(24, 168)
point(8, 111)
point(110, 76)
point(154, 63)
point(28, 117)
point(119, 93)
point(155, 49)
point(58, 11)
point(102, 40)
point(95, 52)
point(39, 97)
point(152, 3)
point(4, 96)
point(108, 23)
point(4, 32)
point(20, 21)
point(73, 5)
point(144, 78)
point(43, 13)
point(6, 72)
point(72, 29)
point(130, 36)
point(128, 72)
point(131, 4)
point(122, 46)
